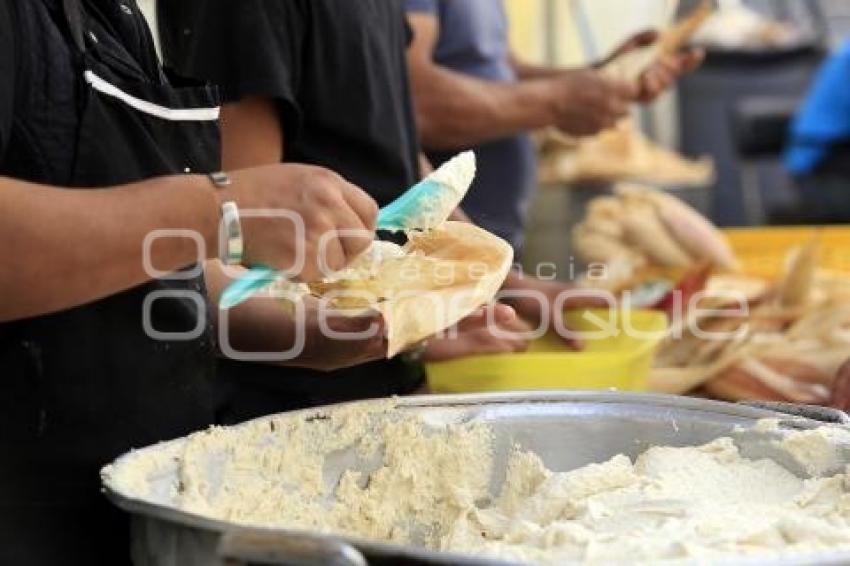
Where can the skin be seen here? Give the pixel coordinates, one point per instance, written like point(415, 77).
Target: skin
point(253, 136)
point(459, 111)
point(46, 272)
point(456, 110)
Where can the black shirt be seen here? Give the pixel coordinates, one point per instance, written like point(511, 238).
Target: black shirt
point(337, 67)
point(338, 70)
point(80, 387)
point(7, 72)
point(39, 70)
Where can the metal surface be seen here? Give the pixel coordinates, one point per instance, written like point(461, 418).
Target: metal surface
point(813, 412)
point(242, 548)
point(566, 429)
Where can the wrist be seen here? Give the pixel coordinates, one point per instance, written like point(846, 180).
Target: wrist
point(231, 244)
point(208, 208)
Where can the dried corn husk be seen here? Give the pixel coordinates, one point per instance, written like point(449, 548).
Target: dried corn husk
point(441, 277)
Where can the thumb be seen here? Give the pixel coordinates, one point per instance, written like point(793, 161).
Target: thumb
point(496, 313)
point(644, 38)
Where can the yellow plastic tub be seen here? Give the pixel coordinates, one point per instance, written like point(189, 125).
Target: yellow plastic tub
point(619, 360)
point(763, 251)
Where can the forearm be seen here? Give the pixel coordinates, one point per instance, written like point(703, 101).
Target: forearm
point(63, 248)
point(457, 111)
point(528, 71)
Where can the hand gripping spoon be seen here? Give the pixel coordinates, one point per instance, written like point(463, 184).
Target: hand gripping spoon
point(425, 206)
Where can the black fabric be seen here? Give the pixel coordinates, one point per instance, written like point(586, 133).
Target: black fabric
point(249, 391)
point(7, 72)
point(337, 67)
point(81, 387)
point(338, 70)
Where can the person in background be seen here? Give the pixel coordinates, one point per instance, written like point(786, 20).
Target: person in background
point(818, 154)
point(321, 82)
point(471, 91)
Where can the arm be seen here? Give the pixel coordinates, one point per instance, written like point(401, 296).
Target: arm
point(44, 271)
point(455, 110)
point(529, 71)
point(251, 133)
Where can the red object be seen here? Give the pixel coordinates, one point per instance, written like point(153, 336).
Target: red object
point(692, 283)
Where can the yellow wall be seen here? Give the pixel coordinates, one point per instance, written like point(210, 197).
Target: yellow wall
point(612, 21)
point(528, 36)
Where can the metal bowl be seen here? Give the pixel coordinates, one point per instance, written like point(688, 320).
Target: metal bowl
point(566, 429)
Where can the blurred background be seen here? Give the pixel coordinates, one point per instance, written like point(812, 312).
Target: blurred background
point(736, 110)
point(732, 116)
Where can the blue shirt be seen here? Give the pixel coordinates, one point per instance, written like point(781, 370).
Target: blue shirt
point(474, 41)
point(824, 119)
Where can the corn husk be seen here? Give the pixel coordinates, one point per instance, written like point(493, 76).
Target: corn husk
point(441, 277)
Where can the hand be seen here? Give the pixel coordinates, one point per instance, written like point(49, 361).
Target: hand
point(639, 40)
point(323, 200)
point(539, 307)
point(328, 353)
point(666, 70)
point(359, 339)
point(474, 337)
point(586, 102)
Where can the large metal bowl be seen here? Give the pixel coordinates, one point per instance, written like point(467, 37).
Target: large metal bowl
point(567, 429)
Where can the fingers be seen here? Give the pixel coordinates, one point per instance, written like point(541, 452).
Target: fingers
point(659, 78)
point(667, 70)
point(618, 100)
point(360, 340)
point(644, 38)
point(362, 204)
point(503, 314)
point(352, 215)
point(691, 59)
point(352, 235)
point(641, 39)
point(477, 343)
point(499, 314)
point(335, 257)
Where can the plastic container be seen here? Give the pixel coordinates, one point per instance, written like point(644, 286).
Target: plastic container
point(763, 251)
point(619, 356)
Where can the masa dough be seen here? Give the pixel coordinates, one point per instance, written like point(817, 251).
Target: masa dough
point(430, 484)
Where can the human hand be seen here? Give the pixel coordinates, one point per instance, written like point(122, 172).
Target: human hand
point(666, 69)
point(543, 302)
point(333, 342)
point(323, 201)
point(475, 336)
point(586, 102)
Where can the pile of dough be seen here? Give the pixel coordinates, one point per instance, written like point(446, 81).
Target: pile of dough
point(370, 471)
point(622, 153)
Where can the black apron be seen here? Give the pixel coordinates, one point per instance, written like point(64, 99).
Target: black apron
point(81, 387)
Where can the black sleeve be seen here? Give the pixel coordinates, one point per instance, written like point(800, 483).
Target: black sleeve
point(246, 47)
point(7, 74)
